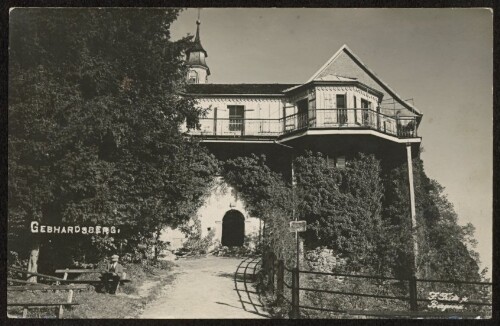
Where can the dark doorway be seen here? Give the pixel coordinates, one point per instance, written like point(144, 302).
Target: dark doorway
point(233, 229)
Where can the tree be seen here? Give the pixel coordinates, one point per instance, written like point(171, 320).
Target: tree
point(445, 247)
point(95, 124)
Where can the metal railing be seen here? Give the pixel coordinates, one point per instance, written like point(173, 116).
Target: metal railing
point(352, 118)
point(239, 127)
point(389, 289)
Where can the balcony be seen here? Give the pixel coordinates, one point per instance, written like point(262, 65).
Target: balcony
point(334, 119)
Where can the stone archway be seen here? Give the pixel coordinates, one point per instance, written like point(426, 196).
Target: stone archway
point(233, 228)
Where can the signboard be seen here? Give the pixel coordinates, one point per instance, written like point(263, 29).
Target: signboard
point(297, 226)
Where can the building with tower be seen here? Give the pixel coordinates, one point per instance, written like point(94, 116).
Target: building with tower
point(342, 109)
point(198, 70)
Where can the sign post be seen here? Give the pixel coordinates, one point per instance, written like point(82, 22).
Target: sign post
point(296, 226)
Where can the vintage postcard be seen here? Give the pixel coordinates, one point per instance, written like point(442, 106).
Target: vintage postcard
point(242, 163)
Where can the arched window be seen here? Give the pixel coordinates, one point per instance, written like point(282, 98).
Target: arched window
point(193, 77)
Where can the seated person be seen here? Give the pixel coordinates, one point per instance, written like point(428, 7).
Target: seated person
point(111, 277)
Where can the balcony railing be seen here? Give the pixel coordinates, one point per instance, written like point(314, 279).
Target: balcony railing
point(402, 127)
point(238, 127)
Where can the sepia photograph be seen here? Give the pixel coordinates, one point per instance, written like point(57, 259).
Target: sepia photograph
point(250, 163)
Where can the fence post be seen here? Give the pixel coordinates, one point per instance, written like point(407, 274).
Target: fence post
point(280, 281)
point(295, 294)
point(413, 293)
point(273, 262)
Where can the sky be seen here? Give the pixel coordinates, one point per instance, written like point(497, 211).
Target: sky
point(442, 58)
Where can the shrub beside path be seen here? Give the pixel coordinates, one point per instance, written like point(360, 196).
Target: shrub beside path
point(207, 288)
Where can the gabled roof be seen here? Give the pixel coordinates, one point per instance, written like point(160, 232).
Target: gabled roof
point(237, 89)
point(335, 78)
point(344, 62)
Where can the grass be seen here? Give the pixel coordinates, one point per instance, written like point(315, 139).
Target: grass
point(146, 285)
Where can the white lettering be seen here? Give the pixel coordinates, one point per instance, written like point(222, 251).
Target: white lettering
point(34, 227)
point(435, 297)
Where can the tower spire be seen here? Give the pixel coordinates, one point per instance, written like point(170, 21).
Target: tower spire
point(199, 70)
point(198, 23)
point(196, 47)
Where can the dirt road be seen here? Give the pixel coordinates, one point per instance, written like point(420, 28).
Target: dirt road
point(209, 288)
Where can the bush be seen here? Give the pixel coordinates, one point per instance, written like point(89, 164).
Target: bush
point(251, 247)
point(323, 259)
point(195, 244)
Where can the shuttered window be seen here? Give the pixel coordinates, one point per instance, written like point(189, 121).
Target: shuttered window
point(341, 109)
point(340, 162)
point(236, 116)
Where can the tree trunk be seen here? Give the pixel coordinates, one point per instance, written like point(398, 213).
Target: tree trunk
point(157, 249)
point(33, 263)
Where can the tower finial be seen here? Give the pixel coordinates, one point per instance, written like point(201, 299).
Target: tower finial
point(198, 22)
point(196, 54)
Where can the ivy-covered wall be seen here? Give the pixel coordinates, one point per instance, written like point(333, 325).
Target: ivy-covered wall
point(361, 212)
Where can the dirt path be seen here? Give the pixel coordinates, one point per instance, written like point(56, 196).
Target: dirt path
point(208, 288)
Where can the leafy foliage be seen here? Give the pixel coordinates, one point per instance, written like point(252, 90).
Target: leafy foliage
point(250, 247)
point(342, 207)
point(195, 243)
point(266, 195)
point(361, 212)
point(95, 124)
point(445, 249)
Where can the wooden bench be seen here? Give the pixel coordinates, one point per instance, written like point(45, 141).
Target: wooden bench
point(44, 287)
point(30, 274)
point(68, 271)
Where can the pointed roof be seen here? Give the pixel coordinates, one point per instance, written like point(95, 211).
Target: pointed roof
point(346, 64)
point(335, 78)
point(196, 46)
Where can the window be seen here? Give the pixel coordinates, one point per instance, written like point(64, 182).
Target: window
point(365, 104)
point(355, 105)
point(236, 116)
point(302, 107)
point(341, 101)
point(215, 121)
point(340, 164)
point(193, 77)
point(366, 114)
point(330, 162)
point(341, 109)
